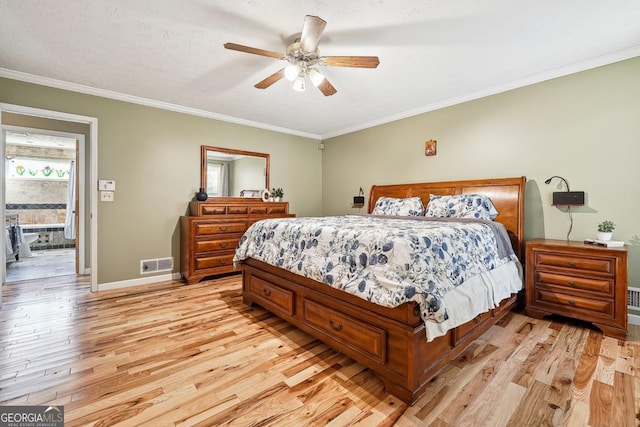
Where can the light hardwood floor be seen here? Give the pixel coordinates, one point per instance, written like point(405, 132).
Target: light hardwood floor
point(172, 354)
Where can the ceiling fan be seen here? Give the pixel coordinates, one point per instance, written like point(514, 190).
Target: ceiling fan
point(302, 57)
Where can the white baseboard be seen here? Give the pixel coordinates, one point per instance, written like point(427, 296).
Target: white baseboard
point(138, 282)
point(633, 319)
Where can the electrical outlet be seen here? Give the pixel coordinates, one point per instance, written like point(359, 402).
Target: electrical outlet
point(106, 196)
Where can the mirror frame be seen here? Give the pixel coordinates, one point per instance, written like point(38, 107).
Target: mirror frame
point(203, 165)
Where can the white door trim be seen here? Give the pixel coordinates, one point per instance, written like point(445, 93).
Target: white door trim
point(92, 217)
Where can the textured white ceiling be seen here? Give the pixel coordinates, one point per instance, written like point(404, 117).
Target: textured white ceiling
point(432, 53)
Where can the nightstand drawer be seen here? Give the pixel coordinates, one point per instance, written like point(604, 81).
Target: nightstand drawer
point(600, 265)
point(592, 306)
point(603, 286)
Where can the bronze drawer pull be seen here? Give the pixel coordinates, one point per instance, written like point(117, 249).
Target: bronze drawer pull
point(571, 283)
point(223, 245)
point(266, 292)
point(571, 302)
point(334, 327)
point(572, 264)
point(223, 227)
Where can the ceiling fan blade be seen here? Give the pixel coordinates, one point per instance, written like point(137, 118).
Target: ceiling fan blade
point(271, 79)
point(253, 50)
point(311, 32)
point(326, 88)
point(350, 61)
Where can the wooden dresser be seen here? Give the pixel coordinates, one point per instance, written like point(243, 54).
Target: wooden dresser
point(210, 234)
point(578, 280)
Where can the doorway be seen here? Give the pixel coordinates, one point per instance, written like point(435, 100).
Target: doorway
point(40, 195)
point(16, 115)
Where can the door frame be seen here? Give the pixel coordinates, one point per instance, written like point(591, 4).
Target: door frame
point(89, 178)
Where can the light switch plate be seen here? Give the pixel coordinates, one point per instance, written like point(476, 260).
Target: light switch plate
point(106, 196)
point(107, 185)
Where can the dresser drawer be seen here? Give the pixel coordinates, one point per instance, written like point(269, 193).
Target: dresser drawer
point(237, 210)
point(603, 286)
point(592, 306)
point(210, 228)
point(272, 296)
point(277, 209)
point(217, 244)
point(599, 265)
point(212, 210)
point(366, 339)
point(202, 262)
point(258, 210)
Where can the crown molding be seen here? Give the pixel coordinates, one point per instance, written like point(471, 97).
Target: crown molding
point(87, 90)
point(577, 67)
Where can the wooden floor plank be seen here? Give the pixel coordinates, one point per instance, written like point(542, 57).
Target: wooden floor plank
point(190, 355)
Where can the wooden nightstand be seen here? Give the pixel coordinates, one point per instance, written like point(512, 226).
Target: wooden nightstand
point(578, 280)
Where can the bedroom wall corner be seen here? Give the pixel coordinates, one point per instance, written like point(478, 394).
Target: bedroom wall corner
point(583, 127)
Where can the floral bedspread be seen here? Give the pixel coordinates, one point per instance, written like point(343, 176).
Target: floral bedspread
point(385, 260)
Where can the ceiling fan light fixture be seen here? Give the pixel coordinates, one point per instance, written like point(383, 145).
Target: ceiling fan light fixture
point(298, 84)
point(302, 56)
point(291, 72)
point(316, 77)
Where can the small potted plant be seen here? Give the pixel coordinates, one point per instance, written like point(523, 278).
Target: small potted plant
point(605, 230)
point(277, 194)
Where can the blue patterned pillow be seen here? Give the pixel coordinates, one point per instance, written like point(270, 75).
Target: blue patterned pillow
point(411, 206)
point(461, 206)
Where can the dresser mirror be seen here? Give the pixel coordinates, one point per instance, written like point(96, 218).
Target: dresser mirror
point(226, 172)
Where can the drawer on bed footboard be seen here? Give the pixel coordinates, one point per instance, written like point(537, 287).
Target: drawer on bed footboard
point(272, 296)
point(362, 337)
point(463, 330)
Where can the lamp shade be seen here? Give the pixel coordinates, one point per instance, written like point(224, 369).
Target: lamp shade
point(316, 77)
point(291, 72)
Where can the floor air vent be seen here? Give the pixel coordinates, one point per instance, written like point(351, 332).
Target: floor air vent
point(633, 298)
point(156, 265)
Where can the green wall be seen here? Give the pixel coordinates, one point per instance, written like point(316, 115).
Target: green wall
point(584, 127)
point(154, 157)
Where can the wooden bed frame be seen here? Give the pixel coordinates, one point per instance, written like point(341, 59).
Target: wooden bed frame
point(390, 341)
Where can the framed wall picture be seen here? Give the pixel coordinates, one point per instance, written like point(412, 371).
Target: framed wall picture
point(430, 147)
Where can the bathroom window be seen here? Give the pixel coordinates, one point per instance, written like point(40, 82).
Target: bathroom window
point(25, 168)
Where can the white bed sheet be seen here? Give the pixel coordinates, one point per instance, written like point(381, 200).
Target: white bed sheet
point(477, 295)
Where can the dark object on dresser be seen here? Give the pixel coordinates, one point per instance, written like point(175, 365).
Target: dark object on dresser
point(201, 195)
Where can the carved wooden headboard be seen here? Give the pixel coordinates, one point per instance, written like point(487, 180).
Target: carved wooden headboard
point(507, 195)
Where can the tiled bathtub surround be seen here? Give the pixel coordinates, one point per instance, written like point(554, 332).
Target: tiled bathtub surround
point(50, 236)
